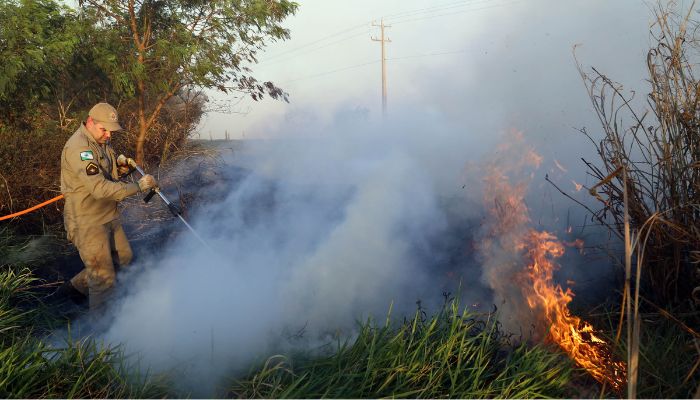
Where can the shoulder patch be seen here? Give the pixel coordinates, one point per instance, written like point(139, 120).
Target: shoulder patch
point(86, 155)
point(92, 169)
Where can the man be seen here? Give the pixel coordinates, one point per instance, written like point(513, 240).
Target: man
point(90, 183)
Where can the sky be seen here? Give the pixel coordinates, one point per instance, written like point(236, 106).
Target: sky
point(511, 58)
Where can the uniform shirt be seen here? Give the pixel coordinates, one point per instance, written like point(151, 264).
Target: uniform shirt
point(90, 182)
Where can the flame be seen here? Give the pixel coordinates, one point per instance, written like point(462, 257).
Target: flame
point(578, 243)
point(576, 337)
point(510, 232)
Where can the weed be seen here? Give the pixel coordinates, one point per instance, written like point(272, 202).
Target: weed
point(452, 354)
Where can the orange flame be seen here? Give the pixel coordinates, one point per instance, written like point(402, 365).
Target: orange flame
point(575, 336)
point(510, 225)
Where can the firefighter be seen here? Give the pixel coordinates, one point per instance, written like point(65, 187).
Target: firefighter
point(90, 182)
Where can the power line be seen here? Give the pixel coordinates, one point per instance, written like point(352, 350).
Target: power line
point(403, 14)
point(369, 63)
point(304, 46)
point(433, 9)
point(331, 72)
point(311, 50)
point(427, 54)
point(459, 12)
point(427, 12)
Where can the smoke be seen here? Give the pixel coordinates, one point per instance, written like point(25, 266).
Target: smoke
point(308, 235)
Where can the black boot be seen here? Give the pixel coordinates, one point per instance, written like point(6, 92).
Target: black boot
point(68, 292)
point(67, 301)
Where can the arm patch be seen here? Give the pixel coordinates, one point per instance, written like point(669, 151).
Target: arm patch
point(92, 169)
point(86, 155)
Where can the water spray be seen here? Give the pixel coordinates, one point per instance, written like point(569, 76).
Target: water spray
point(175, 210)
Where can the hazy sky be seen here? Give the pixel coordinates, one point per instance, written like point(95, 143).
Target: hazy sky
point(510, 55)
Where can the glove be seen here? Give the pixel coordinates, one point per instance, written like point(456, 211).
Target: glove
point(147, 182)
point(124, 165)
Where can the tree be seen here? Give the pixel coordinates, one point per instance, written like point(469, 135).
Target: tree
point(163, 46)
point(37, 41)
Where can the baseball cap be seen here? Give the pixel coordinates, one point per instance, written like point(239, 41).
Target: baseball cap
point(106, 115)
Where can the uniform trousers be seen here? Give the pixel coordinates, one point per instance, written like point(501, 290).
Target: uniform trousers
point(103, 249)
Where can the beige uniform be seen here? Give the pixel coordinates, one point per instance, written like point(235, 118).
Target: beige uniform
point(91, 186)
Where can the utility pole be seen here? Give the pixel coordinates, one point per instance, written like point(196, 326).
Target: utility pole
point(383, 40)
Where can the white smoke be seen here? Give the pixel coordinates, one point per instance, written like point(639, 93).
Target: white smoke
point(320, 233)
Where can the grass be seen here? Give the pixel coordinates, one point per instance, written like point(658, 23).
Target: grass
point(668, 353)
point(452, 354)
point(32, 368)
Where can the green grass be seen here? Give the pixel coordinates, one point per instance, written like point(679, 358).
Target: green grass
point(667, 354)
point(452, 354)
point(31, 368)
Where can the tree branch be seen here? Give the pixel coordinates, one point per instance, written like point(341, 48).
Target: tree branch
point(584, 206)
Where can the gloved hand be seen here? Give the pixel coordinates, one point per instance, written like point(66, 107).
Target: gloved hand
point(124, 165)
point(147, 182)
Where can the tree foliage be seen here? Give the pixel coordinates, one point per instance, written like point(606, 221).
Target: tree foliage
point(37, 41)
point(161, 47)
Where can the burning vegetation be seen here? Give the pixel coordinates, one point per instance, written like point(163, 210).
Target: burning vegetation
point(532, 256)
point(575, 336)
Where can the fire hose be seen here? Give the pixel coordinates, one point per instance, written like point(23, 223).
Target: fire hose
point(30, 209)
point(175, 210)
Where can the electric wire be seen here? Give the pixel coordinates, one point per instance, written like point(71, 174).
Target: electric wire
point(419, 14)
point(272, 59)
point(459, 12)
point(304, 46)
point(433, 9)
point(331, 72)
point(427, 54)
point(315, 48)
point(370, 63)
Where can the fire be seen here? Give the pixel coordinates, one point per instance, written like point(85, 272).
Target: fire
point(511, 232)
point(575, 336)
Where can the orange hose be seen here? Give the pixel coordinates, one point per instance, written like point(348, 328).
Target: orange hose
point(28, 210)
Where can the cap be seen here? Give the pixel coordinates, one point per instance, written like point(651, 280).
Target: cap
point(105, 114)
